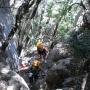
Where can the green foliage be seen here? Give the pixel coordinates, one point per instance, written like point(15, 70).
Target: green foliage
point(49, 10)
point(61, 12)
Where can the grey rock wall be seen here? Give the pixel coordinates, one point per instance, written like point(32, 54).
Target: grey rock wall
point(9, 79)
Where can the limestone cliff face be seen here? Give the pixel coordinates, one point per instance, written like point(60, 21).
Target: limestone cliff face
point(8, 57)
point(12, 13)
point(8, 10)
point(5, 18)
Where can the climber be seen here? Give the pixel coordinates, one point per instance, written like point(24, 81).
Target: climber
point(34, 70)
point(42, 50)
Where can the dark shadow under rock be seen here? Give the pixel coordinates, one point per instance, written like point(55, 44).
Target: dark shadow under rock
point(55, 78)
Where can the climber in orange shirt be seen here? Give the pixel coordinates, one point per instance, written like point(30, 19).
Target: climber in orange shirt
point(42, 50)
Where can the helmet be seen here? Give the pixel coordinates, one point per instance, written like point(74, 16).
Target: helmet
point(39, 44)
point(36, 63)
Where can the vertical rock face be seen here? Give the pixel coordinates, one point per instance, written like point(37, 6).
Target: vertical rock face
point(12, 59)
point(8, 10)
point(9, 80)
point(5, 18)
point(6, 24)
